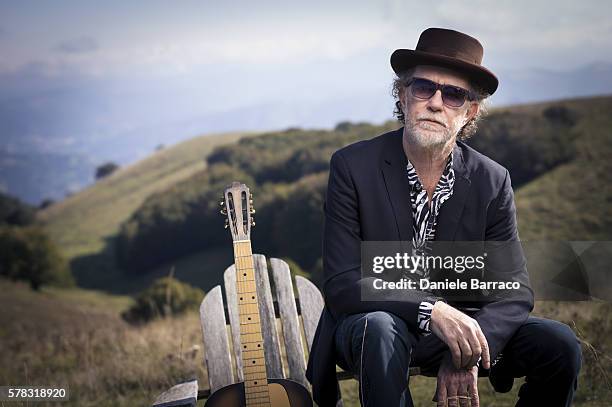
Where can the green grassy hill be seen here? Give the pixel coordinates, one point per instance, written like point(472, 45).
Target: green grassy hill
point(81, 222)
point(84, 223)
point(574, 200)
point(556, 152)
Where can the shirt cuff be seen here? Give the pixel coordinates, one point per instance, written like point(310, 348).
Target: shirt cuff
point(424, 316)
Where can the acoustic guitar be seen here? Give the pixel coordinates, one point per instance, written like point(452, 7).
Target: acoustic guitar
point(257, 389)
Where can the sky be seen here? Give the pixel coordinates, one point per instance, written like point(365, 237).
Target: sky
point(111, 80)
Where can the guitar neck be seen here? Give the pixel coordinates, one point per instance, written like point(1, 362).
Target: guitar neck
point(251, 339)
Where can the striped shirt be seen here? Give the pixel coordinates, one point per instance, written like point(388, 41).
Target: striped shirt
point(424, 222)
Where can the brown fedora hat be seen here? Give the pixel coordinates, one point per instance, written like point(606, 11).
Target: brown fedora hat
point(450, 49)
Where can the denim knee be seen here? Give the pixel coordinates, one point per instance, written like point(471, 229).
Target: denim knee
point(388, 328)
point(563, 346)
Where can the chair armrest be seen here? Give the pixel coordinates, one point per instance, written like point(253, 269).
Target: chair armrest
point(180, 395)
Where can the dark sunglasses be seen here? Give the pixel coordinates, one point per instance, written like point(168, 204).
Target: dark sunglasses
point(453, 96)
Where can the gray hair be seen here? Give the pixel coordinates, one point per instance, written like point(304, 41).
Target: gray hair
point(399, 83)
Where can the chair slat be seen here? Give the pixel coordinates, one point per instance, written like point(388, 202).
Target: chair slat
point(274, 365)
point(216, 344)
point(311, 306)
point(289, 318)
point(229, 278)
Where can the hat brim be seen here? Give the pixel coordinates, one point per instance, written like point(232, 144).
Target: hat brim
point(404, 59)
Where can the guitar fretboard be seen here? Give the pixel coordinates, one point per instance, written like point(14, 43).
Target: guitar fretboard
point(251, 340)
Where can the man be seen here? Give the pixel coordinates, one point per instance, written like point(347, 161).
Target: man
point(418, 184)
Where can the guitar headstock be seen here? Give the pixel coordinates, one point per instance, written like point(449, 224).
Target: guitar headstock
point(237, 206)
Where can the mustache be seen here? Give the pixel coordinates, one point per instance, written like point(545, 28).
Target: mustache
point(433, 119)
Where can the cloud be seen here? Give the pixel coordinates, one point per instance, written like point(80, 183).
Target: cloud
point(80, 45)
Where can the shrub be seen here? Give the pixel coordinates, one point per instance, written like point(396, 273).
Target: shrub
point(166, 296)
point(105, 170)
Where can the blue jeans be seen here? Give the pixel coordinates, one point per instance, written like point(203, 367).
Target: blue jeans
point(379, 348)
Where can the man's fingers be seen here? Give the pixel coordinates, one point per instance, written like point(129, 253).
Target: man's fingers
point(451, 394)
point(466, 352)
point(464, 401)
point(486, 358)
point(476, 350)
point(473, 392)
point(440, 396)
point(456, 354)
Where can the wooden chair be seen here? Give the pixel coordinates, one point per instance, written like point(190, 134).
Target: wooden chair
point(282, 304)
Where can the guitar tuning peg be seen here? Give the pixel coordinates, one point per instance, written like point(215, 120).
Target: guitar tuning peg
point(223, 211)
point(222, 203)
point(252, 210)
point(226, 224)
point(253, 223)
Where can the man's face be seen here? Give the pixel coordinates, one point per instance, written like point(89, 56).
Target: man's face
point(431, 123)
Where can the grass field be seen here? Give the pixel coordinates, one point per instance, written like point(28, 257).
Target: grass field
point(76, 337)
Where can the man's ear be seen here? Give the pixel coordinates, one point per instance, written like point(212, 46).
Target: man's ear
point(402, 93)
point(472, 111)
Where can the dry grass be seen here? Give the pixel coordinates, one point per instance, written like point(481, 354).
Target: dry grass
point(48, 340)
point(76, 337)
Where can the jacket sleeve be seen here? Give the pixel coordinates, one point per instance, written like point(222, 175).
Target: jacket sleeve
point(500, 318)
point(344, 287)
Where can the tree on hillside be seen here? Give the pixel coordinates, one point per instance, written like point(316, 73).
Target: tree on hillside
point(45, 203)
point(15, 212)
point(105, 170)
point(27, 253)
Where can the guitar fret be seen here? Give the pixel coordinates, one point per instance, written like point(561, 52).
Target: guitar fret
point(259, 375)
point(253, 369)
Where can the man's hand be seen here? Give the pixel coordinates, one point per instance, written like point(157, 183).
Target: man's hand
point(456, 387)
point(462, 334)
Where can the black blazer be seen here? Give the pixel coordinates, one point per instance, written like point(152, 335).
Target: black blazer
point(368, 198)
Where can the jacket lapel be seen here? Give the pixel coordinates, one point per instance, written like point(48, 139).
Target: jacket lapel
point(452, 210)
point(393, 165)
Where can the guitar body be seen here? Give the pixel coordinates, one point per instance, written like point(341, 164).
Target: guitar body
point(283, 393)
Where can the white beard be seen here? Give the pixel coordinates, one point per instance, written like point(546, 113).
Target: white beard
point(431, 135)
